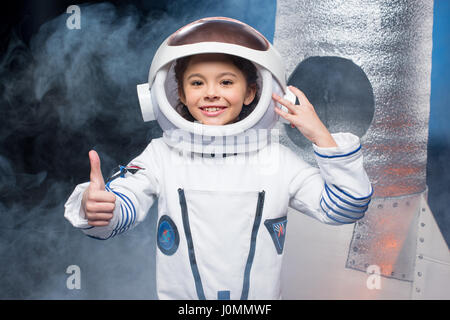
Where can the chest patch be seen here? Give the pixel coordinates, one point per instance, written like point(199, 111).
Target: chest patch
point(277, 230)
point(168, 238)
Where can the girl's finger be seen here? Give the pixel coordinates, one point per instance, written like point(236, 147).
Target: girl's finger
point(101, 196)
point(100, 206)
point(284, 102)
point(98, 223)
point(285, 115)
point(289, 117)
point(104, 216)
point(300, 95)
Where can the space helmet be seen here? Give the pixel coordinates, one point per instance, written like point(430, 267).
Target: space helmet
point(159, 97)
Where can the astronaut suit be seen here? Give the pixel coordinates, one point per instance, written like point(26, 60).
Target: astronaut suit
point(223, 191)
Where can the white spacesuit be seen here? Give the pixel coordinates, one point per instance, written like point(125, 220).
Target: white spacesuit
point(223, 191)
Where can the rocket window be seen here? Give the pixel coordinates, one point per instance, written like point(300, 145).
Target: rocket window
point(340, 92)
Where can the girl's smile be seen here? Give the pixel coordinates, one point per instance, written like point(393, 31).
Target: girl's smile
point(214, 89)
point(212, 111)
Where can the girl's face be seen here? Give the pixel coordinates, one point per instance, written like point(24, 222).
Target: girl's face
point(214, 89)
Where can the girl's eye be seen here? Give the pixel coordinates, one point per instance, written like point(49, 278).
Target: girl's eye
point(196, 83)
point(227, 82)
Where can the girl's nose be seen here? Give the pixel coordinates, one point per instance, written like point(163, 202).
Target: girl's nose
point(211, 93)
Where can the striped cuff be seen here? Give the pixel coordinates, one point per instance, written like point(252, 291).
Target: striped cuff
point(338, 155)
point(342, 207)
point(348, 146)
point(127, 213)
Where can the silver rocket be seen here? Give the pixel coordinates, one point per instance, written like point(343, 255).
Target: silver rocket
point(365, 65)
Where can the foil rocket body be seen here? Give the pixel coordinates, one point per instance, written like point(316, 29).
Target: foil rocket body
point(390, 43)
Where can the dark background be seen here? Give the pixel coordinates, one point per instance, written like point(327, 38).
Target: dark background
point(55, 107)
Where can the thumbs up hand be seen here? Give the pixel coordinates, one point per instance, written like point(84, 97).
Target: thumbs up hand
point(98, 203)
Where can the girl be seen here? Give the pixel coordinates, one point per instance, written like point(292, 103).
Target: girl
point(222, 219)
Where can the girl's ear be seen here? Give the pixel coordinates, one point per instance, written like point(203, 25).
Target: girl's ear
point(181, 95)
point(250, 94)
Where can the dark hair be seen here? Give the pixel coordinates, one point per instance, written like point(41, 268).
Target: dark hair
point(247, 68)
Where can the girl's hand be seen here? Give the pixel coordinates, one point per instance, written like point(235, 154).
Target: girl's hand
point(98, 203)
point(305, 118)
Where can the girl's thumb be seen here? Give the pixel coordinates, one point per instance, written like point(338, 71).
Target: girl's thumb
point(96, 176)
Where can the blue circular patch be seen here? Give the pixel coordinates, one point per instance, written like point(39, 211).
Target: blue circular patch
point(168, 238)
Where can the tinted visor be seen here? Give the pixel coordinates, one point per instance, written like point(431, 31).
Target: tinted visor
point(219, 30)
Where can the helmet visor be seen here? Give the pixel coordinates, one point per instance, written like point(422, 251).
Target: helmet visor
point(219, 29)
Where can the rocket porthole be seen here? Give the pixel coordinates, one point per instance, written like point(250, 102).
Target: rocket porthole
point(340, 92)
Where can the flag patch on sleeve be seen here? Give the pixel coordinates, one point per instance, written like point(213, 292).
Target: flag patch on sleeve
point(120, 171)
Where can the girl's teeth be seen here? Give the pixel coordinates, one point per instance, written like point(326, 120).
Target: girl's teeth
point(212, 109)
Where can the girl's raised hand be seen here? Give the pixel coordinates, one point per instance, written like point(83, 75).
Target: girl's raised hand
point(98, 203)
point(304, 117)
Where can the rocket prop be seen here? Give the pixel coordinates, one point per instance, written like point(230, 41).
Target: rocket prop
point(397, 250)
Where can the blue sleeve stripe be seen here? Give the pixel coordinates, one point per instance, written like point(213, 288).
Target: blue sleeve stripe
point(85, 228)
point(98, 238)
point(346, 201)
point(350, 196)
point(133, 208)
point(123, 210)
point(119, 223)
point(129, 213)
point(343, 208)
point(129, 205)
point(340, 213)
point(334, 219)
point(124, 221)
point(336, 191)
point(340, 155)
point(114, 232)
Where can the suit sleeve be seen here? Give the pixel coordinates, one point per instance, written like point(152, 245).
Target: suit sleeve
point(339, 191)
point(136, 187)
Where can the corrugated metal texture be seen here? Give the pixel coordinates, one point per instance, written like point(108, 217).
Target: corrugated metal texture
point(391, 42)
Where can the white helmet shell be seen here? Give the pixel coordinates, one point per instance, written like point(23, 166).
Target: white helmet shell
point(159, 96)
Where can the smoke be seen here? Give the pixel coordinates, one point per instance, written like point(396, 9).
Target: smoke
point(66, 92)
point(63, 93)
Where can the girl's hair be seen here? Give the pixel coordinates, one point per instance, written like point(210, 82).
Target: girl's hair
point(247, 68)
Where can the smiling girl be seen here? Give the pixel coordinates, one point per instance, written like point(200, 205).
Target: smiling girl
point(222, 223)
point(216, 89)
